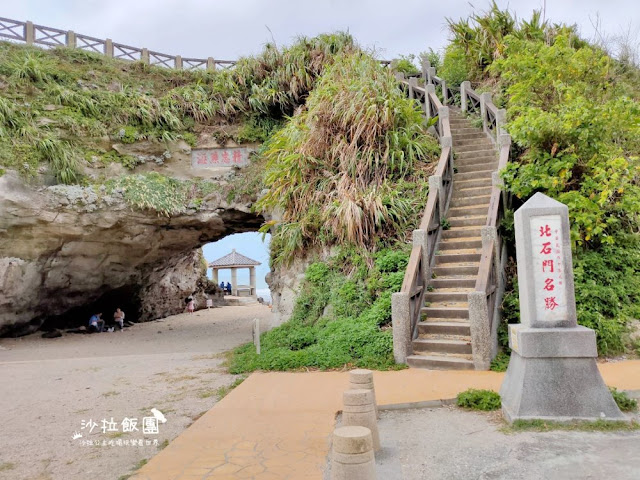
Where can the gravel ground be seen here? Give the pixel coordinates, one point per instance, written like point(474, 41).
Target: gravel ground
point(448, 443)
point(49, 387)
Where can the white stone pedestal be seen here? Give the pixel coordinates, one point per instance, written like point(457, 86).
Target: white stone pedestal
point(553, 375)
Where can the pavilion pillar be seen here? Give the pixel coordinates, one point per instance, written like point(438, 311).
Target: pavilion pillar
point(252, 281)
point(214, 275)
point(234, 281)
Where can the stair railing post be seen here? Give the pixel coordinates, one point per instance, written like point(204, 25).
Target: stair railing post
point(443, 113)
point(108, 48)
point(401, 325)
point(484, 99)
point(501, 119)
point(463, 94)
point(413, 82)
point(421, 238)
point(445, 93)
point(430, 88)
point(480, 331)
point(431, 72)
point(435, 183)
point(426, 64)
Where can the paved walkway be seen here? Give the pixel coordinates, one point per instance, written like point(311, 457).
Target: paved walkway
point(276, 426)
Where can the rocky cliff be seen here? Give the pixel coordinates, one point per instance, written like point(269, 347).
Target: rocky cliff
point(68, 250)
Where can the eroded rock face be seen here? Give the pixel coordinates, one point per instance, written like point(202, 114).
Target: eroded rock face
point(63, 247)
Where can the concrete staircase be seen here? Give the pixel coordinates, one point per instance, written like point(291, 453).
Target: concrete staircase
point(444, 336)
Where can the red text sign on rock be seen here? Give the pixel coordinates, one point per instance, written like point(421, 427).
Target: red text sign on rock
point(220, 157)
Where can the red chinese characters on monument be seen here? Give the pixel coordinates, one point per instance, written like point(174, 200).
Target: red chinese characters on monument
point(220, 157)
point(550, 292)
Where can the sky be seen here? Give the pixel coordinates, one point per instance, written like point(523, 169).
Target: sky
point(227, 29)
point(250, 245)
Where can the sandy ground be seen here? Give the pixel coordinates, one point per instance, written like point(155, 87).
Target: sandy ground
point(51, 388)
point(449, 444)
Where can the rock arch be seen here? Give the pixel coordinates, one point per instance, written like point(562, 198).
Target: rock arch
point(65, 247)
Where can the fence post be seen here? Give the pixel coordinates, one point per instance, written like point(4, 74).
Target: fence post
point(211, 64)
point(71, 39)
point(178, 63)
point(29, 33)
point(108, 48)
point(401, 325)
point(144, 56)
point(484, 99)
point(463, 94)
point(413, 82)
point(445, 93)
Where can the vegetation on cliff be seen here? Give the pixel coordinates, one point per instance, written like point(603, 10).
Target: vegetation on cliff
point(573, 113)
point(348, 170)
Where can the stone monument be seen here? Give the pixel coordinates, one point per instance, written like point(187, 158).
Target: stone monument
point(553, 373)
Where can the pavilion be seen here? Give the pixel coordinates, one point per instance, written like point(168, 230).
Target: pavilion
point(233, 261)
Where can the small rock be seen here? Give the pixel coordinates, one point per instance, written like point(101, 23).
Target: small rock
point(52, 334)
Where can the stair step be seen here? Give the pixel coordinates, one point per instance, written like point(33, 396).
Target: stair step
point(459, 129)
point(448, 258)
point(459, 282)
point(476, 134)
point(440, 296)
point(468, 220)
point(456, 270)
point(455, 244)
point(468, 210)
point(445, 312)
point(478, 167)
point(461, 162)
point(444, 328)
point(440, 362)
point(470, 192)
point(441, 346)
point(464, 146)
point(462, 232)
point(470, 200)
point(489, 153)
point(484, 174)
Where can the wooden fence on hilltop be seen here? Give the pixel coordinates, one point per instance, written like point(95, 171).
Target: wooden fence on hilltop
point(48, 37)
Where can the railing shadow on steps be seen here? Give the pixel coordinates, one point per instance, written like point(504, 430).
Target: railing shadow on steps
point(484, 301)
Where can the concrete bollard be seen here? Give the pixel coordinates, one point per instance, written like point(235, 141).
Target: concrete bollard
point(361, 378)
point(359, 411)
point(352, 456)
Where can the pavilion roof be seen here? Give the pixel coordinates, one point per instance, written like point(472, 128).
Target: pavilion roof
point(233, 259)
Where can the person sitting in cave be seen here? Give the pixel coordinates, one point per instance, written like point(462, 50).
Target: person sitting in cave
point(228, 289)
point(96, 323)
point(118, 318)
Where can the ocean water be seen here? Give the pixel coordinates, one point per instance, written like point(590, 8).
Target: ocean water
point(265, 293)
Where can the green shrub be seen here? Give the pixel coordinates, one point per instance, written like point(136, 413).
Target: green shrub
point(337, 319)
point(500, 363)
point(479, 400)
point(623, 401)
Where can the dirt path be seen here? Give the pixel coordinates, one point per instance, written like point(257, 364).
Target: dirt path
point(50, 388)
